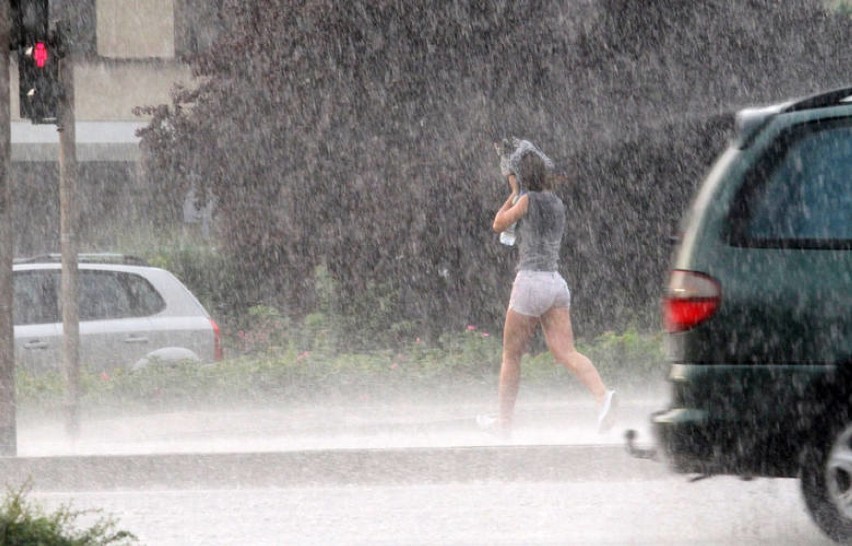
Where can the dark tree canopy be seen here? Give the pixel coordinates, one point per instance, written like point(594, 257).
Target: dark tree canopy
point(358, 135)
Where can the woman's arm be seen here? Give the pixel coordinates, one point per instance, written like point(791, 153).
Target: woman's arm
point(512, 210)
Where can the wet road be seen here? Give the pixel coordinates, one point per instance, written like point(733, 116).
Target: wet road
point(394, 475)
point(663, 510)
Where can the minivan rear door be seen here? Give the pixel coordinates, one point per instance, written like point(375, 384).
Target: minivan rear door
point(790, 293)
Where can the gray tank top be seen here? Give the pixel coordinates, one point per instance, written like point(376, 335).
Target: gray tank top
point(540, 232)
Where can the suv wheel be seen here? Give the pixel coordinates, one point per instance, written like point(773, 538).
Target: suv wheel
point(826, 481)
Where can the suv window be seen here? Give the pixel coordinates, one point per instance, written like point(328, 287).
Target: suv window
point(102, 297)
point(799, 196)
point(144, 298)
point(35, 298)
point(114, 295)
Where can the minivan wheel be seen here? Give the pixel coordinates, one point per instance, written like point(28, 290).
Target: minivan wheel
point(826, 481)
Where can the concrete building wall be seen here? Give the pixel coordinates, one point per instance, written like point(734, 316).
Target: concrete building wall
point(109, 91)
point(134, 29)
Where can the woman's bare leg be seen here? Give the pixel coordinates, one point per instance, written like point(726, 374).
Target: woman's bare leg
point(559, 335)
point(517, 332)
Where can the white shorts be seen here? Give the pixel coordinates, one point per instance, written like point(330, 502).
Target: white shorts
point(536, 292)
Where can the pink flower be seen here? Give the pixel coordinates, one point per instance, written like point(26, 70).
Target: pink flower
point(485, 334)
point(471, 327)
point(394, 366)
point(104, 376)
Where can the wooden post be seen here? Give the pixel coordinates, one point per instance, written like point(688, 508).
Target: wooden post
point(68, 238)
point(8, 429)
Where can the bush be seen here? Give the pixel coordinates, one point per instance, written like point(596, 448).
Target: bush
point(24, 524)
point(628, 359)
point(294, 371)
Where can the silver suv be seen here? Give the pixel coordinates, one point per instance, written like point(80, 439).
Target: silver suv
point(131, 315)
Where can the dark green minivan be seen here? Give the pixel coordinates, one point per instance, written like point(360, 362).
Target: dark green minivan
point(758, 309)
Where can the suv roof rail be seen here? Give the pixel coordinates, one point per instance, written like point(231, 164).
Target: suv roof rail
point(821, 100)
point(749, 121)
point(91, 257)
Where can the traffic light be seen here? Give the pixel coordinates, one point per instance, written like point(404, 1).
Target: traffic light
point(39, 89)
point(38, 62)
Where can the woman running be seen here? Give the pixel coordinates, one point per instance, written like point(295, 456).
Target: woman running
point(539, 294)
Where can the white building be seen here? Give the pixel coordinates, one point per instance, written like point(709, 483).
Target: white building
point(128, 54)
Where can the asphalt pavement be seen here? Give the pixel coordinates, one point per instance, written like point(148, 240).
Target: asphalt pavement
point(401, 472)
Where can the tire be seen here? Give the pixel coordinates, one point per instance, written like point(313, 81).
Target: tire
point(826, 480)
point(167, 356)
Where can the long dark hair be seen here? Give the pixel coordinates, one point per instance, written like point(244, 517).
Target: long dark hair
point(533, 173)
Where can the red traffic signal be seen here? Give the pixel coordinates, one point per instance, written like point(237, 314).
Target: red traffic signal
point(39, 54)
point(38, 75)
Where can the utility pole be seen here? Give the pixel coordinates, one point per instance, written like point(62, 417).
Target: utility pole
point(8, 419)
point(68, 234)
point(46, 91)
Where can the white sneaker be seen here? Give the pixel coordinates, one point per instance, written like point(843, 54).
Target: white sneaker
point(606, 416)
point(491, 424)
point(488, 423)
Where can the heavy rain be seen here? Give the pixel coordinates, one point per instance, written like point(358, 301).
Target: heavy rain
point(285, 210)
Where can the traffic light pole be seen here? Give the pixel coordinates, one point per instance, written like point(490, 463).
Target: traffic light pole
point(68, 238)
point(8, 419)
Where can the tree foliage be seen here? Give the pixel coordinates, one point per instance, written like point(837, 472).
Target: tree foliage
point(357, 135)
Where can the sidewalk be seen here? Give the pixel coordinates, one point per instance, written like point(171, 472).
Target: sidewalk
point(330, 426)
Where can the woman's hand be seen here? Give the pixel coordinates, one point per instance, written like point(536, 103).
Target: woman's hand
point(511, 211)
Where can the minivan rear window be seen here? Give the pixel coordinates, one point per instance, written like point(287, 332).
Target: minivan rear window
point(800, 194)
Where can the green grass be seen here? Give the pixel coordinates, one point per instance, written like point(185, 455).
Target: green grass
point(291, 374)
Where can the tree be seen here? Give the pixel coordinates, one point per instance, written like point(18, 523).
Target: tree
point(358, 135)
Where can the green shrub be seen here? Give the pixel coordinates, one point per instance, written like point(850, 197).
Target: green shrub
point(473, 351)
point(263, 330)
point(24, 524)
point(843, 6)
point(294, 369)
point(626, 360)
point(629, 358)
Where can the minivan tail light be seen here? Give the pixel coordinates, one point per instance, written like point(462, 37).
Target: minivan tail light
point(217, 341)
point(691, 299)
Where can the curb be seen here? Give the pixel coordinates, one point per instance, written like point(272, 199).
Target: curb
point(327, 467)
